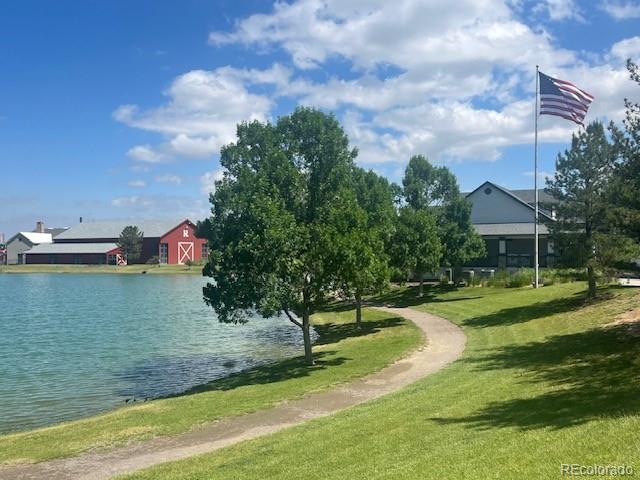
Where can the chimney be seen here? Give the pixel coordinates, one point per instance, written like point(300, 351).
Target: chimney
point(80, 219)
point(40, 227)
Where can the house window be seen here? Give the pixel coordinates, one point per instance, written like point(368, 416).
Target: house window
point(487, 191)
point(502, 247)
point(205, 251)
point(550, 247)
point(164, 253)
point(185, 233)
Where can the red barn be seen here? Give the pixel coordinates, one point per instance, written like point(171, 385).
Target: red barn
point(169, 241)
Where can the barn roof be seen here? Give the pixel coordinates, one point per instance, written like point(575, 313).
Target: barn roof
point(73, 248)
point(113, 228)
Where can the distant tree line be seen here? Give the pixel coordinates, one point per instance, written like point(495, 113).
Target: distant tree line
point(295, 222)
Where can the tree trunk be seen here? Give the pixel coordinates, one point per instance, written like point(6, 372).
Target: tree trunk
point(308, 353)
point(358, 310)
point(421, 287)
point(591, 279)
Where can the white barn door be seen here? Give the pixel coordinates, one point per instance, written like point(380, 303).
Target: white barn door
point(185, 252)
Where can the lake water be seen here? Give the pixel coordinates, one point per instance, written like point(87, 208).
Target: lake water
point(76, 345)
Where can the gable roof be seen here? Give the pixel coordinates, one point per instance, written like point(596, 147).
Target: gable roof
point(517, 198)
point(34, 238)
point(112, 229)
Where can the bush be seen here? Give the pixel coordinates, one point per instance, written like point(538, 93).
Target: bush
point(155, 260)
point(505, 279)
point(521, 278)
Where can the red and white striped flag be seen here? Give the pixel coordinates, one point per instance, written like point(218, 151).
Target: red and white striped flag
point(563, 99)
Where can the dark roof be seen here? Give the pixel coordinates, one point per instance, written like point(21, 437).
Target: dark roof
point(113, 228)
point(529, 196)
point(74, 248)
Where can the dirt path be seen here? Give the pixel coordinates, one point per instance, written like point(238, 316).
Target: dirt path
point(446, 343)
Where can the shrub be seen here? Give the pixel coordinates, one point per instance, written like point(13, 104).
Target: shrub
point(521, 278)
point(155, 260)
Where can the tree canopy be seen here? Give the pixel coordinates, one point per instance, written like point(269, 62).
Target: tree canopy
point(363, 225)
point(427, 187)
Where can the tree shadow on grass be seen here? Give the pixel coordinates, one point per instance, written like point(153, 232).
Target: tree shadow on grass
point(408, 297)
point(525, 313)
point(296, 367)
point(587, 375)
point(270, 373)
point(329, 333)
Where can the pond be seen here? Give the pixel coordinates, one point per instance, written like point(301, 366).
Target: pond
point(73, 345)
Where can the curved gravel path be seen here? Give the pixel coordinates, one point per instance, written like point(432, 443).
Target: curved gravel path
point(446, 343)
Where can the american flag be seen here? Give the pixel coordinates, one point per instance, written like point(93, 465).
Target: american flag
point(563, 99)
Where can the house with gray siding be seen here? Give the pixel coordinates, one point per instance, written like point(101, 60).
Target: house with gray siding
point(23, 241)
point(505, 220)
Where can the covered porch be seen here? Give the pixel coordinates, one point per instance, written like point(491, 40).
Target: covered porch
point(512, 246)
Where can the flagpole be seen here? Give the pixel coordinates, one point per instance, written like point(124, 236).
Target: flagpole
point(535, 182)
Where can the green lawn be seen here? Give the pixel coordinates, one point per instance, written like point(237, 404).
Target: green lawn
point(343, 352)
point(542, 383)
point(152, 269)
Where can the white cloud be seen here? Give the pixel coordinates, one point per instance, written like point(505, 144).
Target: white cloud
point(169, 178)
point(621, 9)
point(627, 48)
point(145, 153)
point(464, 37)
point(131, 201)
point(137, 183)
point(201, 113)
point(208, 181)
point(561, 10)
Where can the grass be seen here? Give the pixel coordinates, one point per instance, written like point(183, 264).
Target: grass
point(342, 352)
point(542, 382)
point(127, 269)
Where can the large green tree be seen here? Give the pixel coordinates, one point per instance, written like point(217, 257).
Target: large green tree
point(416, 247)
point(583, 233)
point(363, 225)
point(426, 186)
point(130, 242)
point(272, 218)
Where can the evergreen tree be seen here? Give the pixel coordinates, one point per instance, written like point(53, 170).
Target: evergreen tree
point(130, 242)
point(625, 188)
point(583, 233)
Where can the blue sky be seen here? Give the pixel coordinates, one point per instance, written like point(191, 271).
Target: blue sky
point(118, 109)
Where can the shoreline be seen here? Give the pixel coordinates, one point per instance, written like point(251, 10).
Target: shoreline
point(104, 269)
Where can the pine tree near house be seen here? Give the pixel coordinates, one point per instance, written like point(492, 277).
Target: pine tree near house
point(583, 232)
point(625, 186)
